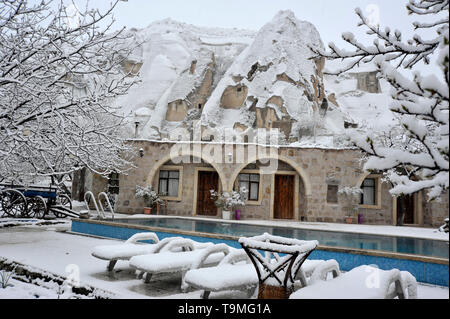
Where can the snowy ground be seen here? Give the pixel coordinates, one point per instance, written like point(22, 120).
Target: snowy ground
point(47, 247)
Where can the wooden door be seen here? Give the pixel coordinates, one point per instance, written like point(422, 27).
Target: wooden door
point(206, 181)
point(405, 209)
point(283, 206)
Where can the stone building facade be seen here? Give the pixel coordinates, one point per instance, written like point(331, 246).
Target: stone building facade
point(318, 184)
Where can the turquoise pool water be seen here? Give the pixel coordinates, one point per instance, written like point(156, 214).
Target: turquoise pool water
point(404, 245)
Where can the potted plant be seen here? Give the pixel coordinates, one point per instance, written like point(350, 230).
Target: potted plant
point(228, 201)
point(243, 192)
point(151, 198)
point(349, 219)
point(351, 197)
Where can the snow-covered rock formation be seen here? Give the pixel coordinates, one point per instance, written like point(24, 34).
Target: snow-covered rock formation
point(273, 83)
point(241, 81)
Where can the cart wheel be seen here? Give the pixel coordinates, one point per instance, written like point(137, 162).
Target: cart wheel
point(64, 200)
point(37, 207)
point(14, 204)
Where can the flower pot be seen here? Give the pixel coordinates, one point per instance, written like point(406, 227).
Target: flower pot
point(349, 220)
point(238, 214)
point(226, 214)
point(147, 210)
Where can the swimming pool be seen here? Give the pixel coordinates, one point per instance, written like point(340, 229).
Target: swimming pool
point(404, 245)
point(426, 259)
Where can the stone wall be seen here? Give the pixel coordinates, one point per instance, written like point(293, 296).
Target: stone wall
point(312, 166)
point(261, 211)
point(435, 212)
point(315, 169)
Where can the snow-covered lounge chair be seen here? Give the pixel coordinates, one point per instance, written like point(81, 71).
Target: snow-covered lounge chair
point(170, 261)
point(236, 272)
point(363, 282)
point(133, 247)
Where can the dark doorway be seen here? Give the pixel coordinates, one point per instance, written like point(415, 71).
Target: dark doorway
point(405, 210)
point(206, 182)
point(283, 206)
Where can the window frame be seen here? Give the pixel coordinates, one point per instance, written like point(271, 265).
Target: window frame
point(377, 192)
point(170, 168)
point(251, 172)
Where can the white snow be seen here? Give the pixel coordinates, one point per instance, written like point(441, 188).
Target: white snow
point(363, 282)
point(280, 244)
point(223, 277)
point(54, 251)
point(171, 261)
point(38, 289)
point(167, 51)
point(239, 275)
point(282, 46)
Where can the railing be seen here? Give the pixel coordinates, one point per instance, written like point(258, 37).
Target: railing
point(108, 202)
point(90, 194)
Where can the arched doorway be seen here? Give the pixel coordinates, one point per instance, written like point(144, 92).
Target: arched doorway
point(280, 194)
point(185, 185)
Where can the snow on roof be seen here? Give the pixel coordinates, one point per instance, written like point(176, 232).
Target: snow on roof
point(143, 111)
point(357, 106)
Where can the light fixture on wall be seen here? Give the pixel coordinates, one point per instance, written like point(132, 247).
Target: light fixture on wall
point(141, 152)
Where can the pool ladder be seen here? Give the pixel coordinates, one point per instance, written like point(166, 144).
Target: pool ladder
point(101, 212)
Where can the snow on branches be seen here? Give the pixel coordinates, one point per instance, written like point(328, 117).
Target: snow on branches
point(58, 76)
point(417, 156)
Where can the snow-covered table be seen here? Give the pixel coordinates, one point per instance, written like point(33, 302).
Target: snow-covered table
point(277, 268)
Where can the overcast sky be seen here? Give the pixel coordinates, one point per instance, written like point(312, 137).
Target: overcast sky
point(331, 17)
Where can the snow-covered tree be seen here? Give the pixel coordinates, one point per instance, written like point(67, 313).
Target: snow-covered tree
point(416, 157)
point(60, 70)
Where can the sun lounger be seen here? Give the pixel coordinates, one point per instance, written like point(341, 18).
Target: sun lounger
point(363, 282)
point(170, 261)
point(235, 272)
point(133, 247)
